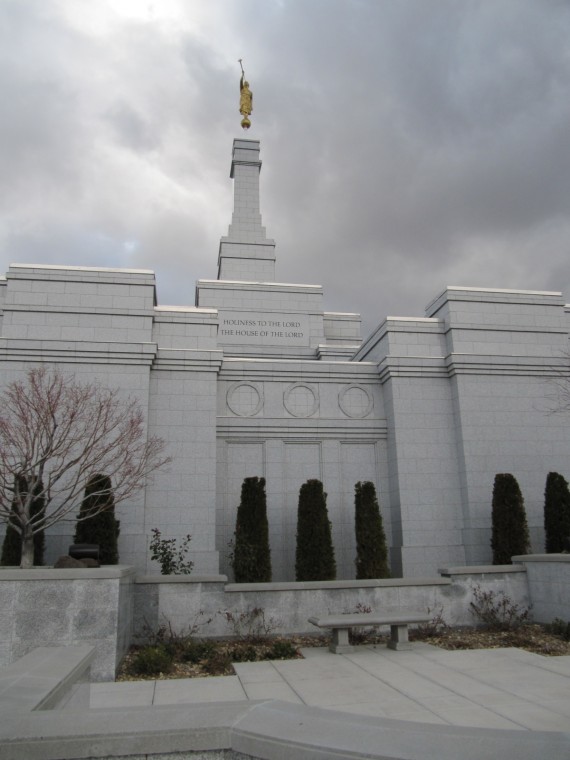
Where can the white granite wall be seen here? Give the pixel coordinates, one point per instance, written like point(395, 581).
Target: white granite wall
point(289, 422)
point(468, 393)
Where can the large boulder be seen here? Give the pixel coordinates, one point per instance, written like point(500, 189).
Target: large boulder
point(65, 561)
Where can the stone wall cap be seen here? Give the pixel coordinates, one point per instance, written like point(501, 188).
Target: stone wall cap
point(341, 315)
point(199, 310)
point(260, 284)
point(542, 558)
point(505, 290)
point(480, 570)
point(64, 267)
point(67, 574)
point(181, 579)
point(326, 585)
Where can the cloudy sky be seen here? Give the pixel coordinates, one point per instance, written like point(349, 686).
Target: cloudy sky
point(406, 144)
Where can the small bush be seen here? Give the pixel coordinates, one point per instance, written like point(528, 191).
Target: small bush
point(560, 628)
point(497, 611)
point(282, 650)
point(218, 663)
point(434, 627)
point(243, 654)
point(151, 661)
point(165, 633)
point(361, 635)
point(250, 625)
point(196, 651)
point(172, 559)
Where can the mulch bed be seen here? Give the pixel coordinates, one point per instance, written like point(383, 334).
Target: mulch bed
point(218, 662)
point(531, 637)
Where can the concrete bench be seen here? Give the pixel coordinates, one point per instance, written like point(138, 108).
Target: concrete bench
point(398, 622)
point(43, 678)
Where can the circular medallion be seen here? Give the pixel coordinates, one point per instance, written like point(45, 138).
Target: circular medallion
point(245, 399)
point(355, 401)
point(301, 400)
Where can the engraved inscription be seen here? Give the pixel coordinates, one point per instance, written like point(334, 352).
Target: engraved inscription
point(269, 328)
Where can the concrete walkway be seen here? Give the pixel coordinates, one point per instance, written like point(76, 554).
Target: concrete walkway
point(491, 688)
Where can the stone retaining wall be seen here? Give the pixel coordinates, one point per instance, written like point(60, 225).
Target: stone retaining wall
point(185, 601)
point(549, 585)
point(47, 607)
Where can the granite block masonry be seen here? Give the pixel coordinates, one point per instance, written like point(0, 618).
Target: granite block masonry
point(258, 379)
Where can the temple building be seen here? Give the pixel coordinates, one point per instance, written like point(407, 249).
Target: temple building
point(257, 378)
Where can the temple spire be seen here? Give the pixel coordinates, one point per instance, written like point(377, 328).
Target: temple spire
point(246, 253)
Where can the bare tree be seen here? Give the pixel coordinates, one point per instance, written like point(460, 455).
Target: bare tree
point(55, 433)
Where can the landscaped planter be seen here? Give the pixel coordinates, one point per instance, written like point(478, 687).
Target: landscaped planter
point(48, 607)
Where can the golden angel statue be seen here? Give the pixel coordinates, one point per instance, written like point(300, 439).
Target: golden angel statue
point(245, 100)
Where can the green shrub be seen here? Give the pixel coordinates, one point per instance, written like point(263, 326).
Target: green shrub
point(12, 544)
point(151, 661)
point(246, 653)
point(96, 522)
point(218, 662)
point(560, 628)
point(282, 650)
point(172, 559)
point(371, 549)
point(509, 527)
point(556, 513)
point(11, 547)
point(196, 651)
point(251, 557)
point(314, 559)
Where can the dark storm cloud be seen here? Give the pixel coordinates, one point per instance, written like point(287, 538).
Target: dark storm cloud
point(440, 125)
point(406, 145)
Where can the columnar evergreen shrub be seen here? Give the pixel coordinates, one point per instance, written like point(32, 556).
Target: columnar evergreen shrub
point(556, 513)
point(371, 549)
point(251, 560)
point(314, 560)
point(96, 520)
point(509, 527)
point(11, 547)
point(37, 511)
point(12, 544)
